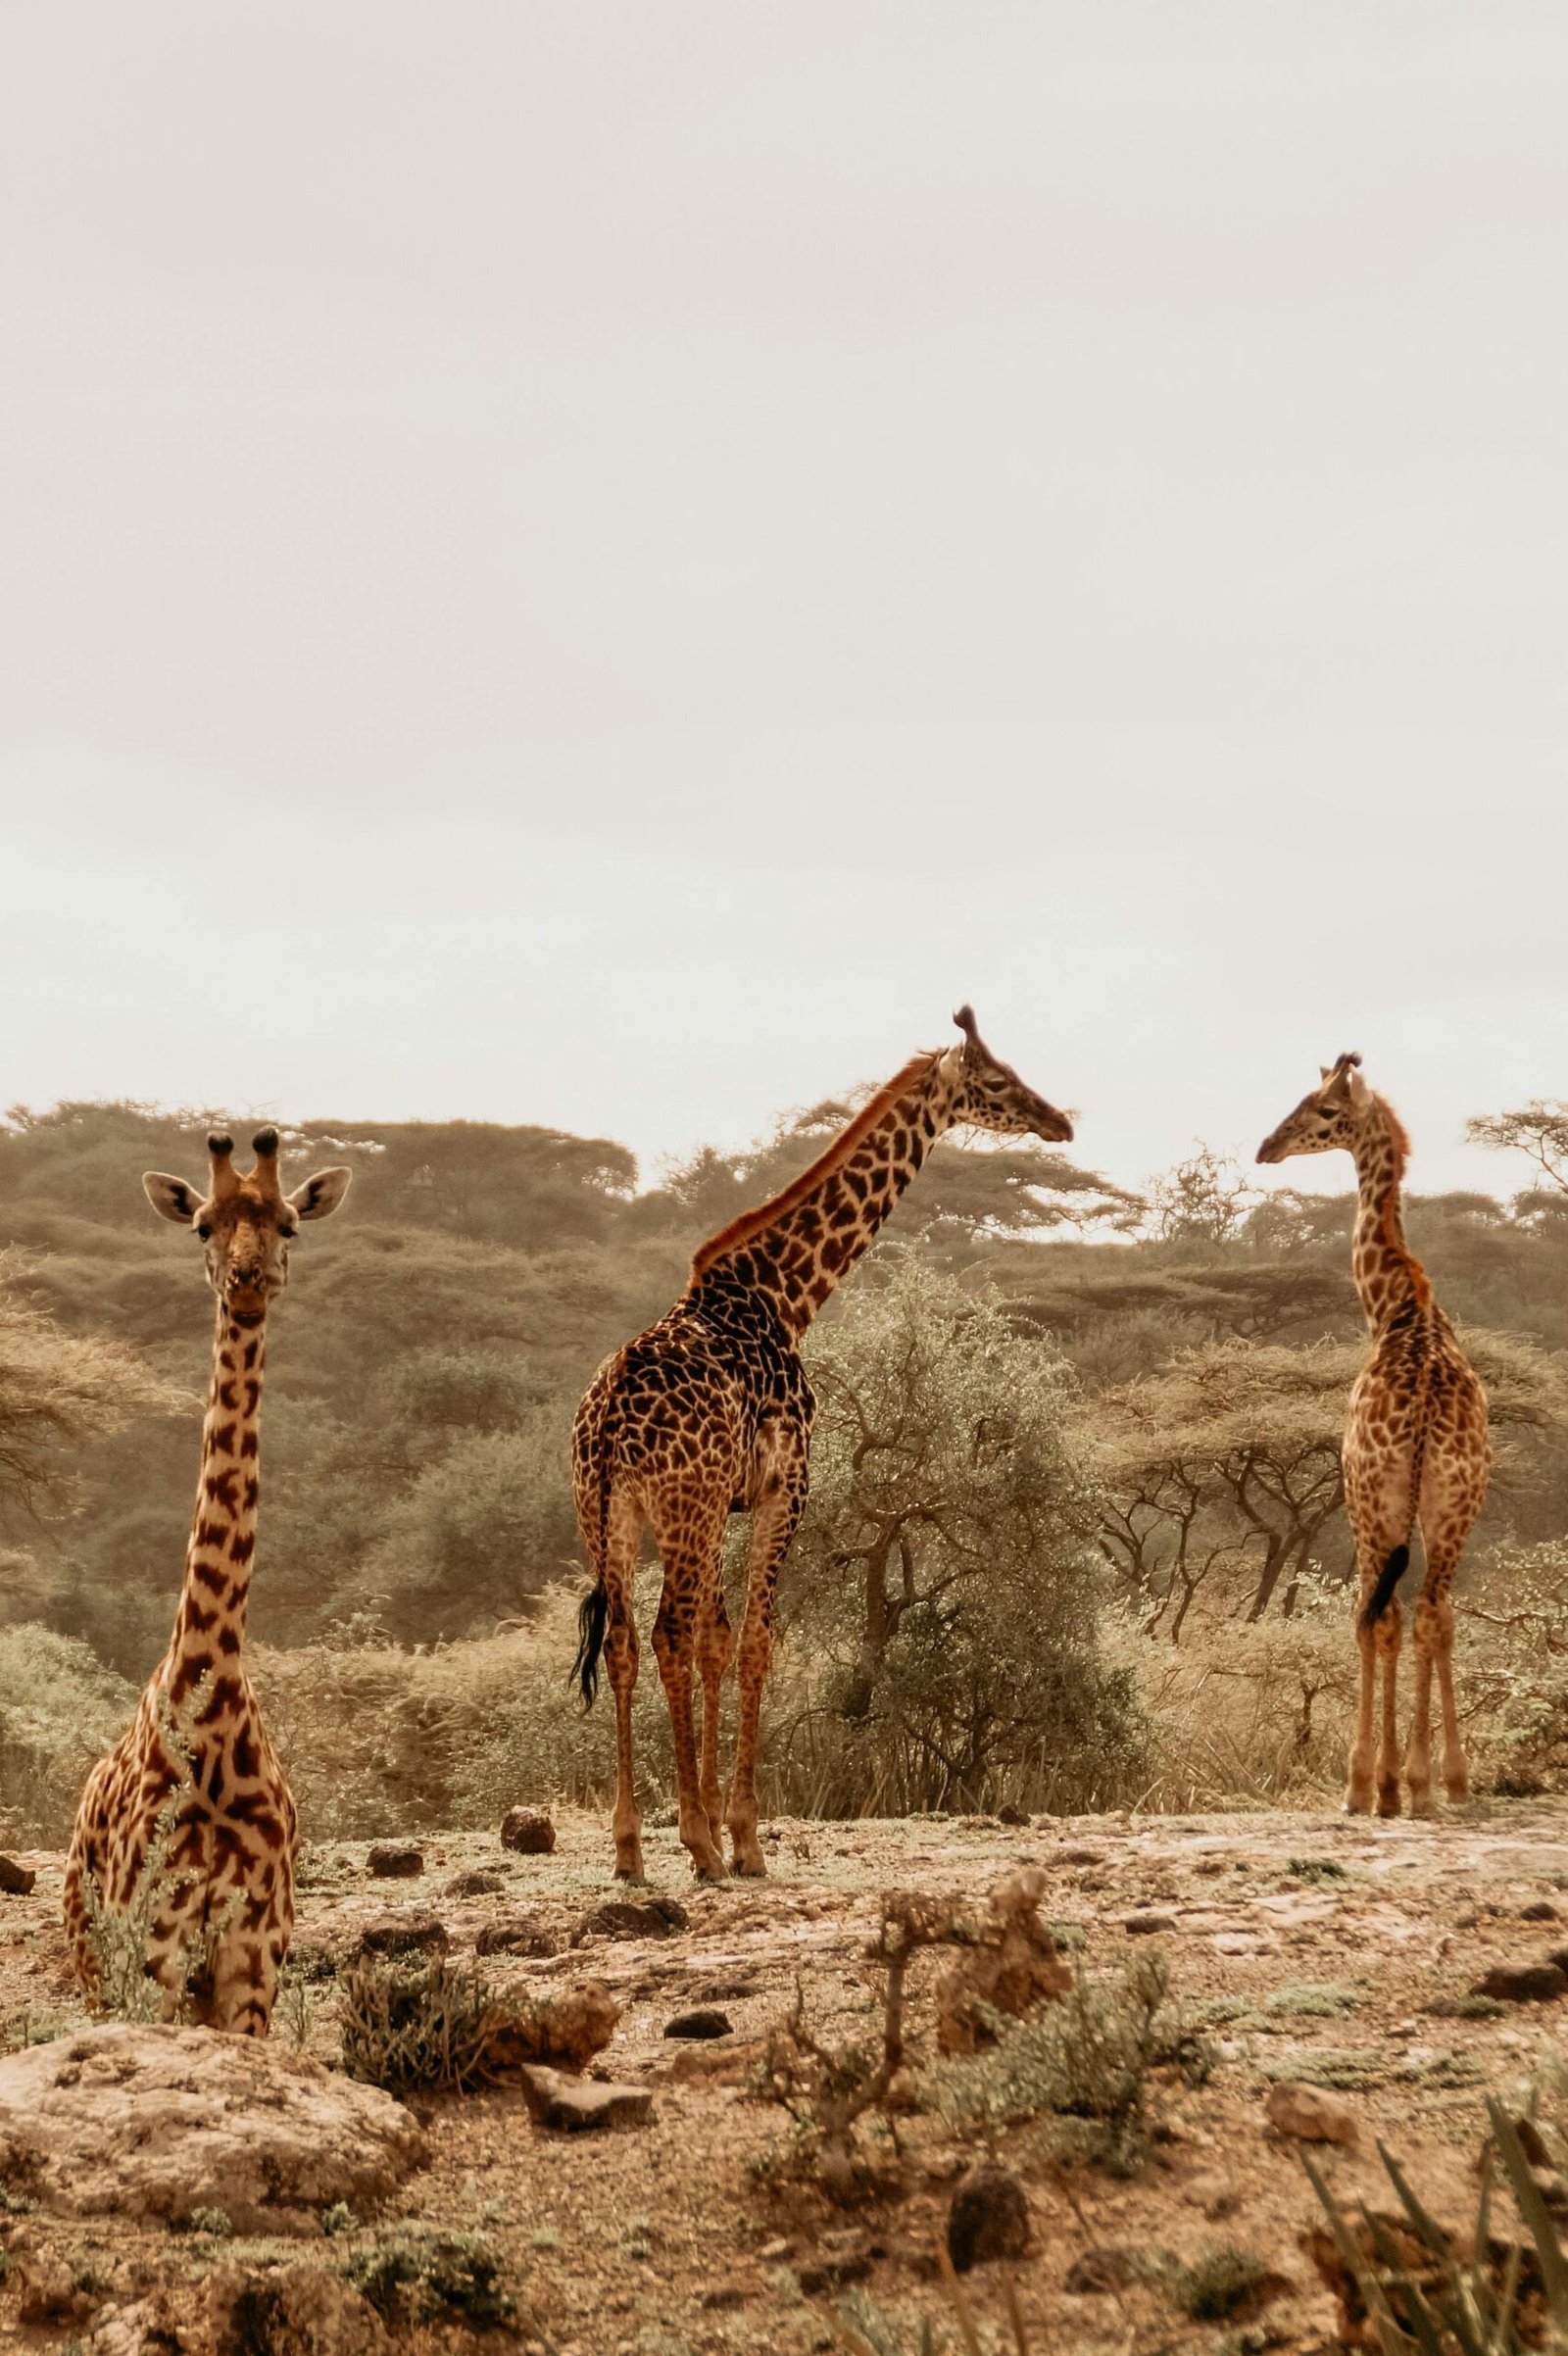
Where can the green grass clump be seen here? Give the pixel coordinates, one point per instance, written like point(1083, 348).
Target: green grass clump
point(1223, 2283)
point(1346, 2069)
point(1080, 2064)
point(1315, 1869)
point(1323, 1999)
point(414, 2273)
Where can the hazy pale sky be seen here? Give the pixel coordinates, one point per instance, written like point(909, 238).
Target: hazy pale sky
point(605, 565)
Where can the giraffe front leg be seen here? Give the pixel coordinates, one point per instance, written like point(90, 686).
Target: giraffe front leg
point(1387, 1634)
point(714, 1643)
point(777, 1516)
point(1418, 1751)
point(1456, 1772)
point(1358, 1793)
point(674, 1645)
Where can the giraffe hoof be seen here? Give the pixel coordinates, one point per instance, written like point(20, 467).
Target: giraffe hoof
point(1358, 1802)
point(750, 1860)
point(1387, 1800)
point(710, 1869)
point(1422, 1803)
point(1457, 1789)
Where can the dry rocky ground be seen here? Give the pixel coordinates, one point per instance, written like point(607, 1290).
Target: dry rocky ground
point(1316, 1949)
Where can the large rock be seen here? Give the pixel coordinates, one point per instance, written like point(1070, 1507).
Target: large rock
point(574, 2103)
point(566, 2025)
point(152, 2123)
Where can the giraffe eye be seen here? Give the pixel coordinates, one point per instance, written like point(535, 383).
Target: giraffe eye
point(204, 1231)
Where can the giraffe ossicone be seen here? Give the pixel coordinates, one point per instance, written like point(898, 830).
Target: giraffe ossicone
point(709, 1413)
point(187, 1828)
point(1417, 1444)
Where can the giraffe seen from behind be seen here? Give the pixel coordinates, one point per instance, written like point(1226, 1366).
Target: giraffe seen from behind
point(1417, 1444)
point(709, 1413)
point(193, 1793)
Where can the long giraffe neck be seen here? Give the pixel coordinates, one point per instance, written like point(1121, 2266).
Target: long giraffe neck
point(1387, 1272)
point(210, 1625)
point(795, 1248)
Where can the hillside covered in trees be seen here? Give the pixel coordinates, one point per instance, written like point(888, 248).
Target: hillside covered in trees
point(1130, 1401)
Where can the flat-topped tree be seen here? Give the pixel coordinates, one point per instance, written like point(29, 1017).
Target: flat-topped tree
point(191, 1811)
point(709, 1413)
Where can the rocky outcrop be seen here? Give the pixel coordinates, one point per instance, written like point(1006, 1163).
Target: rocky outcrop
point(155, 2123)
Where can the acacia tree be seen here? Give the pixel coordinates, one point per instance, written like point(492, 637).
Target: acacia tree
point(947, 1569)
point(1223, 1470)
point(58, 1390)
point(1538, 1130)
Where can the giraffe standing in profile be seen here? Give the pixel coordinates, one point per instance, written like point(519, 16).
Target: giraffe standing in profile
point(1417, 1448)
point(193, 1790)
point(709, 1413)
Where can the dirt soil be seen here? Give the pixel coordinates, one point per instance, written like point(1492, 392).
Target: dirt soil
point(1317, 1948)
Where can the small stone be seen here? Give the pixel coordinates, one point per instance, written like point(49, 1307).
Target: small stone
point(631, 1918)
point(1523, 1983)
point(16, 1880)
point(776, 2253)
point(482, 1883)
point(988, 2218)
point(404, 1934)
point(574, 2103)
point(1099, 2272)
point(705, 2021)
point(1214, 2195)
point(1146, 1921)
point(1541, 1911)
point(724, 2294)
point(395, 1861)
point(516, 1935)
point(1310, 2115)
point(528, 1830)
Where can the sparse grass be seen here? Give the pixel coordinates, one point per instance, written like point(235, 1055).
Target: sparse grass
point(1080, 2064)
point(414, 2273)
point(1315, 1869)
point(1346, 2069)
point(1222, 2282)
point(1322, 2000)
point(217, 2224)
point(421, 2024)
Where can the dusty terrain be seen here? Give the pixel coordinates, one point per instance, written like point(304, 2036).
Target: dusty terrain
point(1315, 1945)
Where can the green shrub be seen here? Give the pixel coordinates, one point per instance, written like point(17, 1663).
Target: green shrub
point(1081, 2065)
point(414, 2273)
point(60, 1710)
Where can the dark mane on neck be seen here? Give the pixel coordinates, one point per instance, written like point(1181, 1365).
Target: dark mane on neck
point(753, 1223)
point(1399, 1138)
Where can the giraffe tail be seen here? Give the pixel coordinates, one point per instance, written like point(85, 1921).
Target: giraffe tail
point(592, 1613)
point(1387, 1578)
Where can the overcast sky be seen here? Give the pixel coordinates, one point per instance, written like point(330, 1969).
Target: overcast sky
point(605, 565)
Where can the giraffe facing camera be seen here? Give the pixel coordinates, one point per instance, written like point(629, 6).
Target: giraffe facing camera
point(189, 1821)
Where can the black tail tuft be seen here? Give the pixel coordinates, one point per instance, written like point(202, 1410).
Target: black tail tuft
point(591, 1618)
point(1382, 1595)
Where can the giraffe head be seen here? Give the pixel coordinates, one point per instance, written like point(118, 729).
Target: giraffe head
point(1331, 1117)
point(991, 1095)
point(246, 1223)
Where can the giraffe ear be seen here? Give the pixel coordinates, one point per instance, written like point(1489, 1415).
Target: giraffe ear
point(321, 1194)
point(1360, 1093)
point(170, 1197)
